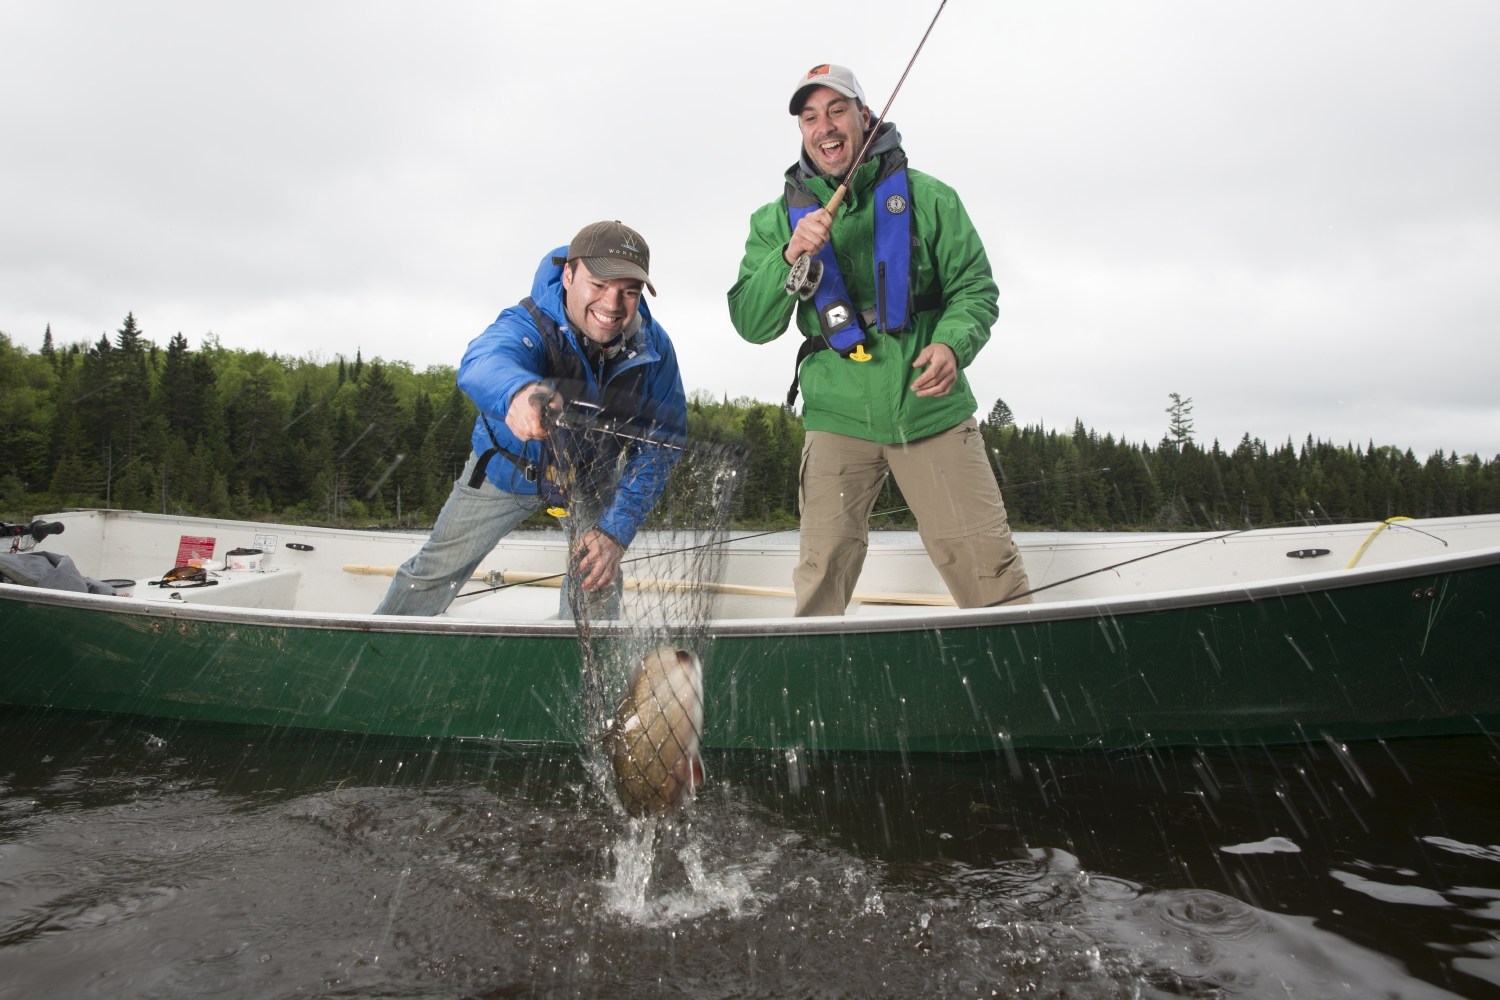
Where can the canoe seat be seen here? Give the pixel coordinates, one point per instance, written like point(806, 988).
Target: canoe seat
point(273, 588)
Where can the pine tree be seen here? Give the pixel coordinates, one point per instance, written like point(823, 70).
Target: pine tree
point(181, 392)
point(1000, 415)
point(1180, 427)
point(372, 458)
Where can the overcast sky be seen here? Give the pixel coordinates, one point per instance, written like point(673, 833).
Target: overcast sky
point(1287, 211)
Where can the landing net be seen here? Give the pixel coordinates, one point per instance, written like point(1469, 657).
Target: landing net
point(673, 574)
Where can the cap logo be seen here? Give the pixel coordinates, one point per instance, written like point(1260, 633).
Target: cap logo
point(818, 71)
point(627, 250)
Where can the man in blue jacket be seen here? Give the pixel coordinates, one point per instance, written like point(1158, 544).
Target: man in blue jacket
point(583, 340)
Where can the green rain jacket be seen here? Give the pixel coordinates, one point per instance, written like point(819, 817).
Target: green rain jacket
point(873, 400)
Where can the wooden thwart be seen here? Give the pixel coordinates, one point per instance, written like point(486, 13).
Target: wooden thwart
point(512, 577)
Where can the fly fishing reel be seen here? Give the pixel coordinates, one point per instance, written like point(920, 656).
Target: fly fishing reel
point(805, 276)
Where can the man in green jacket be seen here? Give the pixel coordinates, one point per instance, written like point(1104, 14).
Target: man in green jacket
point(904, 303)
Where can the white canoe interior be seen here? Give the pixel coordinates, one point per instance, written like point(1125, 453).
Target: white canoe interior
point(346, 572)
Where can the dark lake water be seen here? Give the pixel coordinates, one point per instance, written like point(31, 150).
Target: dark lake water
point(147, 859)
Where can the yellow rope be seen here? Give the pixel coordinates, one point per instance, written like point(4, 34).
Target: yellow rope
point(1383, 525)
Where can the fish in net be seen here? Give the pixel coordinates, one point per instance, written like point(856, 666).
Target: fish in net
point(643, 648)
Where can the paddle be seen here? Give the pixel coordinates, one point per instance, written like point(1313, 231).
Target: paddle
point(523, 578)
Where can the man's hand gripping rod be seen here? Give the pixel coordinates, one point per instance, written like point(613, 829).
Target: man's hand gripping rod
point(807, 273)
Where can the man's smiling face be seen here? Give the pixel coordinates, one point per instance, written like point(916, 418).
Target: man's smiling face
point(599, 308)
point(833, 128)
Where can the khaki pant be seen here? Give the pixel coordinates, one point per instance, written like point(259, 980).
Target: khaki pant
point(947, 480)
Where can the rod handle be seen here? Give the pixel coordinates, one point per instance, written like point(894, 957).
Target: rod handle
point(838, 198)
point(803, 280)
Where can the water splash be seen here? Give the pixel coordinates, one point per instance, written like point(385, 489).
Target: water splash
point(666, 874)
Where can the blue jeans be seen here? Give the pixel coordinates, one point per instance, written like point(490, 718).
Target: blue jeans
point(472, 522)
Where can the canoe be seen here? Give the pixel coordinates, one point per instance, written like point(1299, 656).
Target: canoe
point(1375, 630)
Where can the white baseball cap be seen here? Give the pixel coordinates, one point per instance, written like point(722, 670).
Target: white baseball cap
point(839, 78)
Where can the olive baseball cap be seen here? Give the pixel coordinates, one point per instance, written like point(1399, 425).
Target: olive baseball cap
point(612, 250)
point(839, 78)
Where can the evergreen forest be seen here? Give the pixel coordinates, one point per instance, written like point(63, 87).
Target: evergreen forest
point(125, 423)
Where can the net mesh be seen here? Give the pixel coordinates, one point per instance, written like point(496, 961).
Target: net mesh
point(642, 681)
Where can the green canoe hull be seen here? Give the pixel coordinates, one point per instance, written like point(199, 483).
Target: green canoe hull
point(1403, 652)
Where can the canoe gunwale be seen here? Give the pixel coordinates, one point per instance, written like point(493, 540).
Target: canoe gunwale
point(916, 619)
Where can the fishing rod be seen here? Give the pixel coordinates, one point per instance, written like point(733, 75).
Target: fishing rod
point(806, 272)
point(1390, 522)
point(1123, 562)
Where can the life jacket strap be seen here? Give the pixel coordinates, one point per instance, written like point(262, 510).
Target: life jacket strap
point(528, 468)
point(548, 479)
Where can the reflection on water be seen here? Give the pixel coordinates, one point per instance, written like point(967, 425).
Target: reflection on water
point(137, 860)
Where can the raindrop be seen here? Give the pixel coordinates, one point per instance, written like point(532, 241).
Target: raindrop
point(1147, 685)
point(1298, 650)
point(1041, 786)
point(1206, 774)
point(1357, 817)
point(796, 772)
point(1203, 800)
point(1104, 631)
point(1341, 751)
point(1010, 753)
point(1056, 715)
point(1212, 656)
point(1395, 760)
point(1291, 810)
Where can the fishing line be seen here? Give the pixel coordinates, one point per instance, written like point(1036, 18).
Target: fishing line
point(532, 581)
point(670, 552)
point(1394, 522)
